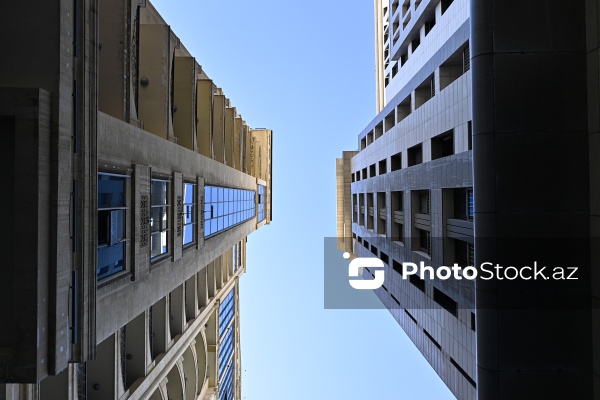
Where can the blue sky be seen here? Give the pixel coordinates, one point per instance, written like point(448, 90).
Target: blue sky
point(307, 71)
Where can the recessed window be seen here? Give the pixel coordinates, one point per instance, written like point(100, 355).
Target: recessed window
point(415, 43)
point(189, 213)
point(396, 162)
point(378, 130)
point(424, 241)
point(470, 134)
point(397, 267)
point(403, 109)
point(415, 155)
point(372, 171)
point(159, 217)
point(397, 217)
point(381, 214)
point(445, 301)
point(112, 228)
point(442, 145)
point(417, 282)
point(446, 4)
point(382, 166)
point(390, 120)
point(452, 68)
point(403, 59)
point(370, 211)
point(429, 25)
point(374, 250)
point(384, 257)
point(425, 91)
point(464, 207)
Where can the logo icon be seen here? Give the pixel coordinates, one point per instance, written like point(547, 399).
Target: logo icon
point(364, 262)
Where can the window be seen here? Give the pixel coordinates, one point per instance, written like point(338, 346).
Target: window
point(112, 232)
point(396, 161)
point(226, 207)
point(226, 360)
point(415, 155)
point(382, 166)
point(464, 207)
point(442, 145)
point(424, 241)
point(446, 4)
point(189, 213)
point(262, 195)
point(397, 217)
point(424, 202)
point(159, 217)
point(470, 205)
point(445, 301)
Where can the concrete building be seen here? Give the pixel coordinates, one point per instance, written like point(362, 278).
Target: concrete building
point(130, 186)
point(407, 192)
point(476, 102)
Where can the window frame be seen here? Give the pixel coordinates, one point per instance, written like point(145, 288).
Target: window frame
point(185, 212)
point(217, 212)
point(168, 225)
point(125, 175)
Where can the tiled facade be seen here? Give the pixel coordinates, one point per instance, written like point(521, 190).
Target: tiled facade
point(135, 184)
point(411, 180)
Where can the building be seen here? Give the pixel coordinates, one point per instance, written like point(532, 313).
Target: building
point(408, 190)
point(131, 185)
point(475, 103)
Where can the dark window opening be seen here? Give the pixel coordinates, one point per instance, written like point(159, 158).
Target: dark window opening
point(429, 25)
point(470, 134)
point(417, 282)
point(396, 162)
point(435, 342)
point(445, 5)
point(382, 167)
point(384, 257)
point(442, 145)
point(445, 301)
point(415, 155)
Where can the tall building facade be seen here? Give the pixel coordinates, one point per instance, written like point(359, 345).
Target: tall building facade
point(474, 102)
point(406, 195)
point(131, 186)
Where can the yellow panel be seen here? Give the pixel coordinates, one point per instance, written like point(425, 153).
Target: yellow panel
point(238, 137)
point(218, 131)
point(111, 73)
point(154, 66)
point(204, 114)
point(184, 118)
point(229, 123)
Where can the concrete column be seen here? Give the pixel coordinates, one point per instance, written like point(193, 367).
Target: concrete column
point(177, 216)
point(531, 182)
point(141, 217)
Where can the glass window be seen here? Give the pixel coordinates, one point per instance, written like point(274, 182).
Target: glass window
point(112, 217)
point(159, 217)
point(226, 346)
point(262, 196)
point(189, 213)
point(226, 207)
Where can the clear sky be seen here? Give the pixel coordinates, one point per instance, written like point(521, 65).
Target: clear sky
point(307, 71)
